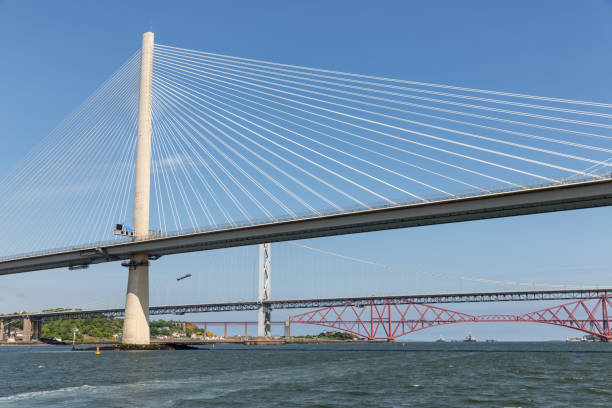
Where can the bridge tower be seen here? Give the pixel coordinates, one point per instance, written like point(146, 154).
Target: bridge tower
point(136, 323)
point(264, 312)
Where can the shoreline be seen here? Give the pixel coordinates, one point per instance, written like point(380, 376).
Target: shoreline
point(277, 342)
point(248, 341)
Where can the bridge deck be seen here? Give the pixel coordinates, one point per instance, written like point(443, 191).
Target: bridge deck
point(557, 197)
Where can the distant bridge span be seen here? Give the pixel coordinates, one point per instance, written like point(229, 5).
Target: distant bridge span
point(557, 197)
point(359, 301)
point(387, 318)
point(392, 320)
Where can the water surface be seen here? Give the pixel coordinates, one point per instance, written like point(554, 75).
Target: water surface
point(341, 375)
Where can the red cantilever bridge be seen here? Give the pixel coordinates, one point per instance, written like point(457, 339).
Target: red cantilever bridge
point(390, 317)
point(394, 319)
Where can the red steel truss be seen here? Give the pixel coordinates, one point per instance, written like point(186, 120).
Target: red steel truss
point(393, 319)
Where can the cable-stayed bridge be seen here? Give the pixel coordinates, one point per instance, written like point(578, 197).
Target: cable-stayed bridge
point(211, 151)
point(529, 201)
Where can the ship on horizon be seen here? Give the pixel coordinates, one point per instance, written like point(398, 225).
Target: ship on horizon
point(441, 340)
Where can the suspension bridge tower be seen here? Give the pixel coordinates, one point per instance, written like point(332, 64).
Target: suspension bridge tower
point(264, 312)
point(136, 323)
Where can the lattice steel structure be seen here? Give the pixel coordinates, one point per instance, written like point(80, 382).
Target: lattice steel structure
point(393, 319)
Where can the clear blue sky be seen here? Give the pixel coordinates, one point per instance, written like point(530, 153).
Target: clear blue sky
point(54, 54)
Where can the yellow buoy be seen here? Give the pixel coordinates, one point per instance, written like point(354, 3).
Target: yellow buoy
point(98, 350)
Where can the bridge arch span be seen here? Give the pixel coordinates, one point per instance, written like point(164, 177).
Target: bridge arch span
point(395, 318)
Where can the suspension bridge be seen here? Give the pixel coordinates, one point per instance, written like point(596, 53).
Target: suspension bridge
point(212, 151)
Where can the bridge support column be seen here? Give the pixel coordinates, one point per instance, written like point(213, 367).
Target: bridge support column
point(287, 328)
point(605, 318)
point(27, 329)
point(2, 337)
point(136, 323)
point(264, 312)
point(36, 329)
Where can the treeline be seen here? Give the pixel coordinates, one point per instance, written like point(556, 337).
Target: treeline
point(163, 328)
point(99, 327)
point(335, 335)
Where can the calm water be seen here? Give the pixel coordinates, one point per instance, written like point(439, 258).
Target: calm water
point(371, 375)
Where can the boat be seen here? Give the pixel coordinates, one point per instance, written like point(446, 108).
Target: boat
point(441, 340)
point(469, 339)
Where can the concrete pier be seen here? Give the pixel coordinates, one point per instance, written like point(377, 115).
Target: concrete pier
point(2, 336)
point(27, 329)
point(36, 329)
point(287, 328)
point(136, 323)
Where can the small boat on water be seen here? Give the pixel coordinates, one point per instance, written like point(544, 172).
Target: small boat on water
point(469, 339)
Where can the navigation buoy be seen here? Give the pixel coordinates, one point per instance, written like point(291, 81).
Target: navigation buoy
point(98, 350)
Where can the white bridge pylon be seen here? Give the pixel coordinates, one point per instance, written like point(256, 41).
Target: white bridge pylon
point(136, 323)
